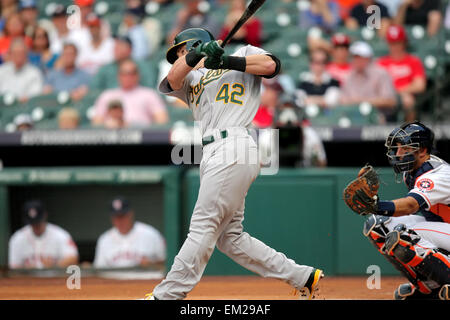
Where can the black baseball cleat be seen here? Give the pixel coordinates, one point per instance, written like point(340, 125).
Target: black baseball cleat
point(407, 291)
point(311, 288)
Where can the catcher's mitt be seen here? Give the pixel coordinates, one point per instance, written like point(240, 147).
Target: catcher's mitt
point(361, 194)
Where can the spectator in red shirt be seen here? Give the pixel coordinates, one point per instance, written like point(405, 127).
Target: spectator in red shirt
point(14, 28)
point(249, 33)
point(269, 101)
point(339, 67)
point(345, 6)
point(406, 70)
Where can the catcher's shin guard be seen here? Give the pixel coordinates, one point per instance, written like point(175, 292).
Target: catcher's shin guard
point(432, 264)
point(376, 232)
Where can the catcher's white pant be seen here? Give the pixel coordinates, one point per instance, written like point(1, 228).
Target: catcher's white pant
point(228, 168)
point(433, 234)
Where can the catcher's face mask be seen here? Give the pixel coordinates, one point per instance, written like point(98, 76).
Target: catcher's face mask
point(401, 151)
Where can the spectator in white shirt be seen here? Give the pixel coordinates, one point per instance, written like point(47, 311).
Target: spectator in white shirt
point(17, 76)
point(59, 32)
point(96, 52)
point(79, 31)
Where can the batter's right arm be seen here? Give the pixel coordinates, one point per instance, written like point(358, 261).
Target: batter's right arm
point(177, 73)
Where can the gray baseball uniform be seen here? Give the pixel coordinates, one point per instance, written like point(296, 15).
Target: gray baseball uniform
point(224, 100)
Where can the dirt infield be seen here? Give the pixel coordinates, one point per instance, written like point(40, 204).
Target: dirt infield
point(210, 288)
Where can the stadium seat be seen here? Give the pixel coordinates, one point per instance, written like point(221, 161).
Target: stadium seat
point(434, 64)
point(342, 116)
point(167, 16)
point(114, 18)
point(43, 117)
point(7, 101)
point(277, 22)
point(179, 114)
point(446, 47)
point(219, 13)
point(295, 67)
point(51, 100)
point(8, 114)
point(84, 106)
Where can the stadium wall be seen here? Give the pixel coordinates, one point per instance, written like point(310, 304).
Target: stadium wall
point(301, 213)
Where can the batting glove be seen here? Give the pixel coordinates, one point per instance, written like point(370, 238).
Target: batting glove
point(210, 49)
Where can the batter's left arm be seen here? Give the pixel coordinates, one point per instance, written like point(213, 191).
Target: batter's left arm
point(264, 65)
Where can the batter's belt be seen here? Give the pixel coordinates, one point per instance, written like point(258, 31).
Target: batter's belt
point(222, 134)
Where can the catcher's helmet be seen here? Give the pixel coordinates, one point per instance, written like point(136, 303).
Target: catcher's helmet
point(191, 37)
point(412, 136)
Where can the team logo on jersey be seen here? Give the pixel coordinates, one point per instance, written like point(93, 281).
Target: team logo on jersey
point(195, 92)
point(425, 184)
point(117, 204)
point(32, 213)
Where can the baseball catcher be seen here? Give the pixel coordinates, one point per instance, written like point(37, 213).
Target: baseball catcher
point(413, 232)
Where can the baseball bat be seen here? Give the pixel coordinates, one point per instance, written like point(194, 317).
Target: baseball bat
point(251, 9)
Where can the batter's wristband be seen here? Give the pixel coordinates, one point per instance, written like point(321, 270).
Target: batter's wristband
point(234, 63)
point(192, 58)
point(386, 208)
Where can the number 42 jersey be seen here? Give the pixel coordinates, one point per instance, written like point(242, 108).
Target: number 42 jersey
point(221, 98)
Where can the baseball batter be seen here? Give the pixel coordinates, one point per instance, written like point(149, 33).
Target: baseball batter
point(413, 232)
point(223, 93)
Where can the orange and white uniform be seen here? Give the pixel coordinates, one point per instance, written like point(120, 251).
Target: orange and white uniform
point(430, 186)
point(433, 187)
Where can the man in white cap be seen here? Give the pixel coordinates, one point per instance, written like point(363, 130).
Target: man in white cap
point(369, 82)
point(23, 122)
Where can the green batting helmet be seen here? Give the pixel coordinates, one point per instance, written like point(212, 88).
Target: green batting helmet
point(191, 37)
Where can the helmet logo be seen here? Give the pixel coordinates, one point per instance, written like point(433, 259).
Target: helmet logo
point(425, 184)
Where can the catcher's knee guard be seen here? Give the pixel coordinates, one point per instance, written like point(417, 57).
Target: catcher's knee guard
point(400, 243)
point(376, 231)
point(432, 264)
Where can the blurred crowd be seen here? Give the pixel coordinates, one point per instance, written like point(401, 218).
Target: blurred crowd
point(116, 65)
